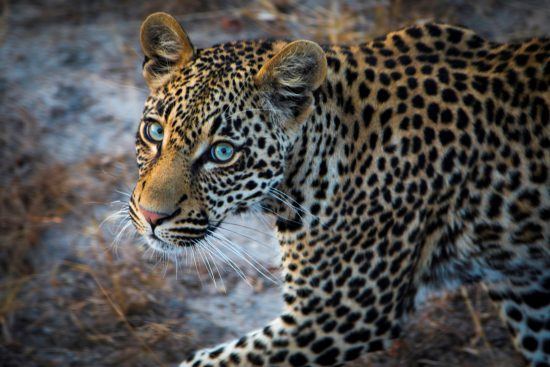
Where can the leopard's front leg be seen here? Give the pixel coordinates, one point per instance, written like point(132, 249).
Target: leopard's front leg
point(323, 340)
point(272, 345)
point(341, 301)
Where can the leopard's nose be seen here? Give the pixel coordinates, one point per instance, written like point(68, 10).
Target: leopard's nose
point(152, 217)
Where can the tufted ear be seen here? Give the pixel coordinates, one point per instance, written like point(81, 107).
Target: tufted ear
point(166, 47)
point(288, 79)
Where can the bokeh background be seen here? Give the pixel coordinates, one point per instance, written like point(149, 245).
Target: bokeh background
point(76, 289)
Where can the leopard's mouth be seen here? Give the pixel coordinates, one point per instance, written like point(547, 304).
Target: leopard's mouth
point(180, 242)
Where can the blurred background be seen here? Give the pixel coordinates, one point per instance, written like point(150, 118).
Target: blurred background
point(76, 289)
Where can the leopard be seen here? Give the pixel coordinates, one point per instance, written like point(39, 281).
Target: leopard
point(414, 161)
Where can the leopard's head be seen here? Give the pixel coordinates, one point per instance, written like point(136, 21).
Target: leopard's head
point(216, 128)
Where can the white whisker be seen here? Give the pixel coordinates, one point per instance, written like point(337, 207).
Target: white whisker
point(206, 264)
point(246, 257)
point(164, 263)
point(287, 200)
point(177, 265)
point(208, 253)
point(249, 228)
point(261, 216)
point(227, 259)
point(245, 236)
point(278, 215)
point(196, 265)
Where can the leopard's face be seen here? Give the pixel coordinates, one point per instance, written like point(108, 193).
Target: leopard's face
point(203, 153)
point(215, 128)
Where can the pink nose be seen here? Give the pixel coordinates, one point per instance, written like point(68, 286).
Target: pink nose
point(152, 217)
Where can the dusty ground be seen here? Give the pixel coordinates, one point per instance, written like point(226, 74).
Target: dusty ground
point(70, 98)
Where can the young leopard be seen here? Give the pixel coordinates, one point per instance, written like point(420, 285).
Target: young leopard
point(417, 160)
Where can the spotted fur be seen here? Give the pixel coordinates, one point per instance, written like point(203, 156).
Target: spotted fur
point(419, 159)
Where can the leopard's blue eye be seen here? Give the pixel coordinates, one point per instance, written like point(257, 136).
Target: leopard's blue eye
point(222, 152)
point(155, 132)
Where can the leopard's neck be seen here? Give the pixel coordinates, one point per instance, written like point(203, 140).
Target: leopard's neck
point(314, 171)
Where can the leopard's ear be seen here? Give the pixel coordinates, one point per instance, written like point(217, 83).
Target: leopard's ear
point(166, 48)
point(288, 79)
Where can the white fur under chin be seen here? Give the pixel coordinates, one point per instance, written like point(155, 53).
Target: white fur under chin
point(163, 247)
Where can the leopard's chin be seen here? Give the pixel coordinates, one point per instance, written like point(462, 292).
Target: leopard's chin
point(166, 247)
point(180, 243)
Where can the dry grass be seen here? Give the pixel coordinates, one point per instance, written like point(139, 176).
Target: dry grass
point(350, 22)
point(94, 298)
point(3, 19)
point(336, 22)
point(33, 196)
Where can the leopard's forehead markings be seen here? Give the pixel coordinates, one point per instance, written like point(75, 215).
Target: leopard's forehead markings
point(203, 89)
